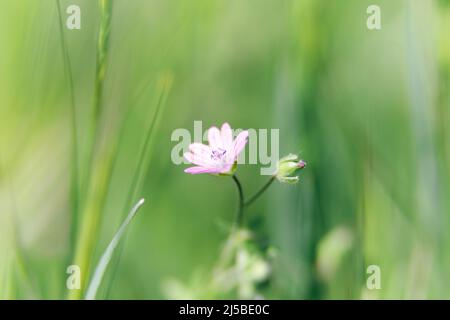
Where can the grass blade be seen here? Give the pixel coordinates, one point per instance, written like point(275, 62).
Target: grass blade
point(107, 255)
point(74, 186)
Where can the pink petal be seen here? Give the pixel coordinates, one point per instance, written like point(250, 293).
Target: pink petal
point(215, 138)
point(200, 149)
point(240, 142)
point(198, 170)
point(227, 136)
point(200, 160)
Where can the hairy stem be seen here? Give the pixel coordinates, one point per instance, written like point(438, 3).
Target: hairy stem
point(260, 192)
point(240, 212)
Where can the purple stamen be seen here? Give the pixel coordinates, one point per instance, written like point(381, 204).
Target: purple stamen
point(218, 154)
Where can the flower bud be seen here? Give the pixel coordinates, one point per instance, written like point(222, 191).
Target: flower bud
point(288, 167)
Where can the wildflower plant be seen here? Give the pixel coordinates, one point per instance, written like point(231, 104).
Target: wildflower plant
point(240, 267)
point(220, 158)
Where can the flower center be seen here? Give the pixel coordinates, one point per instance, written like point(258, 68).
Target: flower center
point(218, 154)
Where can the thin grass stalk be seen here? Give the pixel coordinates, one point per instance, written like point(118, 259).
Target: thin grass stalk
point(100, 72)
point(100, 160)
point(91, 218)
point(102, 53)
point(163, 88)
point(74, 184)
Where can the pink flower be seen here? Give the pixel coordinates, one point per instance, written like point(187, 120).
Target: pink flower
point(221, 154)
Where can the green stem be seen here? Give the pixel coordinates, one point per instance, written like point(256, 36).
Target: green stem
point(240, 213)
point(260, 192)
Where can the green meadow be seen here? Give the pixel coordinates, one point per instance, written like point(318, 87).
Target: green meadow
point(86, 123)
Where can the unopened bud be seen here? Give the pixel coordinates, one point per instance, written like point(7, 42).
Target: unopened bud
point(288, 167)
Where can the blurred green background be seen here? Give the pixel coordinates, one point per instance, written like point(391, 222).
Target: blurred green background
point(368, 110)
